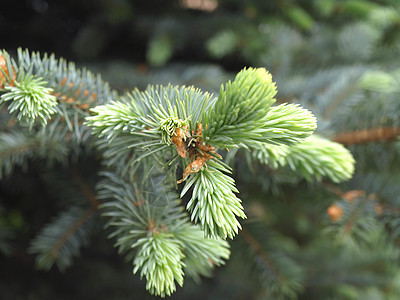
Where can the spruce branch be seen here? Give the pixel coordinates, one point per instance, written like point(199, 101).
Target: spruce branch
point(111, 119)
point(356, 224)
point(281, 277)
point(242, 114)
point(213, 203)
point(158, 238)
point(60, 240)
point(241, 107)
point(161, 120)
point(30, 99)
point(15, 149)
point(159, 259)
point(314, 158)
point(73, 87)
point(201, 254)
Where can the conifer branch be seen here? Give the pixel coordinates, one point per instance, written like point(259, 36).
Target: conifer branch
point(243, 115)
point(355, 224)
point(15, 149)
point(55, 250)
point(257, 249)
point(145, 138)
point(281, 277)
point(61, 240)
point(314, 158)
point(213, 203)
point(157, 238)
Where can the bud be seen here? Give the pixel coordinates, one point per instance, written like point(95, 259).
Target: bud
point(335, 212)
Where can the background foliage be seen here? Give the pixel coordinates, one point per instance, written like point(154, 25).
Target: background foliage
point(337, 58)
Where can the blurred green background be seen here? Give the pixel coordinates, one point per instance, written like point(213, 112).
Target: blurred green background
point(338, 58)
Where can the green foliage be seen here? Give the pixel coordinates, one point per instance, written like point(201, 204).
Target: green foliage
point(213, 202)
point(201, 254)
point(60, 241)
point(160, 261)
point(243, 114)
point(240, 116)
point(31, 100)
point(137, 141)
point(315, 157)
point(155, 233)
point(111, 119)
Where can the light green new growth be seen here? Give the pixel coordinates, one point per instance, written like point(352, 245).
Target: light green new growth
point(30, 99)
point(161, 241)
point(213, 203)
point(111, 119)
point(315, 157)
point(159, 259)
point(243, 116)
point(201, 254)
point(167, 128)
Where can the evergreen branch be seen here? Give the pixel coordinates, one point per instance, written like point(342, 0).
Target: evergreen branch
point(213, 203)
point(319, 157)
point(274, 156)
point(71, 86)
point(242, 114)
point(54, 252)
point(241, 107)
point(162, 102)
point(368, 136)
point(356, 224)
point(111, 119)
point(53, 143)
point(30, 99)
point(159, 259)
point(201, 253)
point(149, 117)
point(61, 240)
point(288, 124)
point(15, 149)
point(158, 238)
point(41, 86)
point(313, 158)
point(279, 274)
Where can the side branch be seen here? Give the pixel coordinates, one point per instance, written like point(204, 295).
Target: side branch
point(85, 189)
point(67, 234)
point(257, 248)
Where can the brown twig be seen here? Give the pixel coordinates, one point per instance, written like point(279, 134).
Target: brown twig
point(368, 135)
